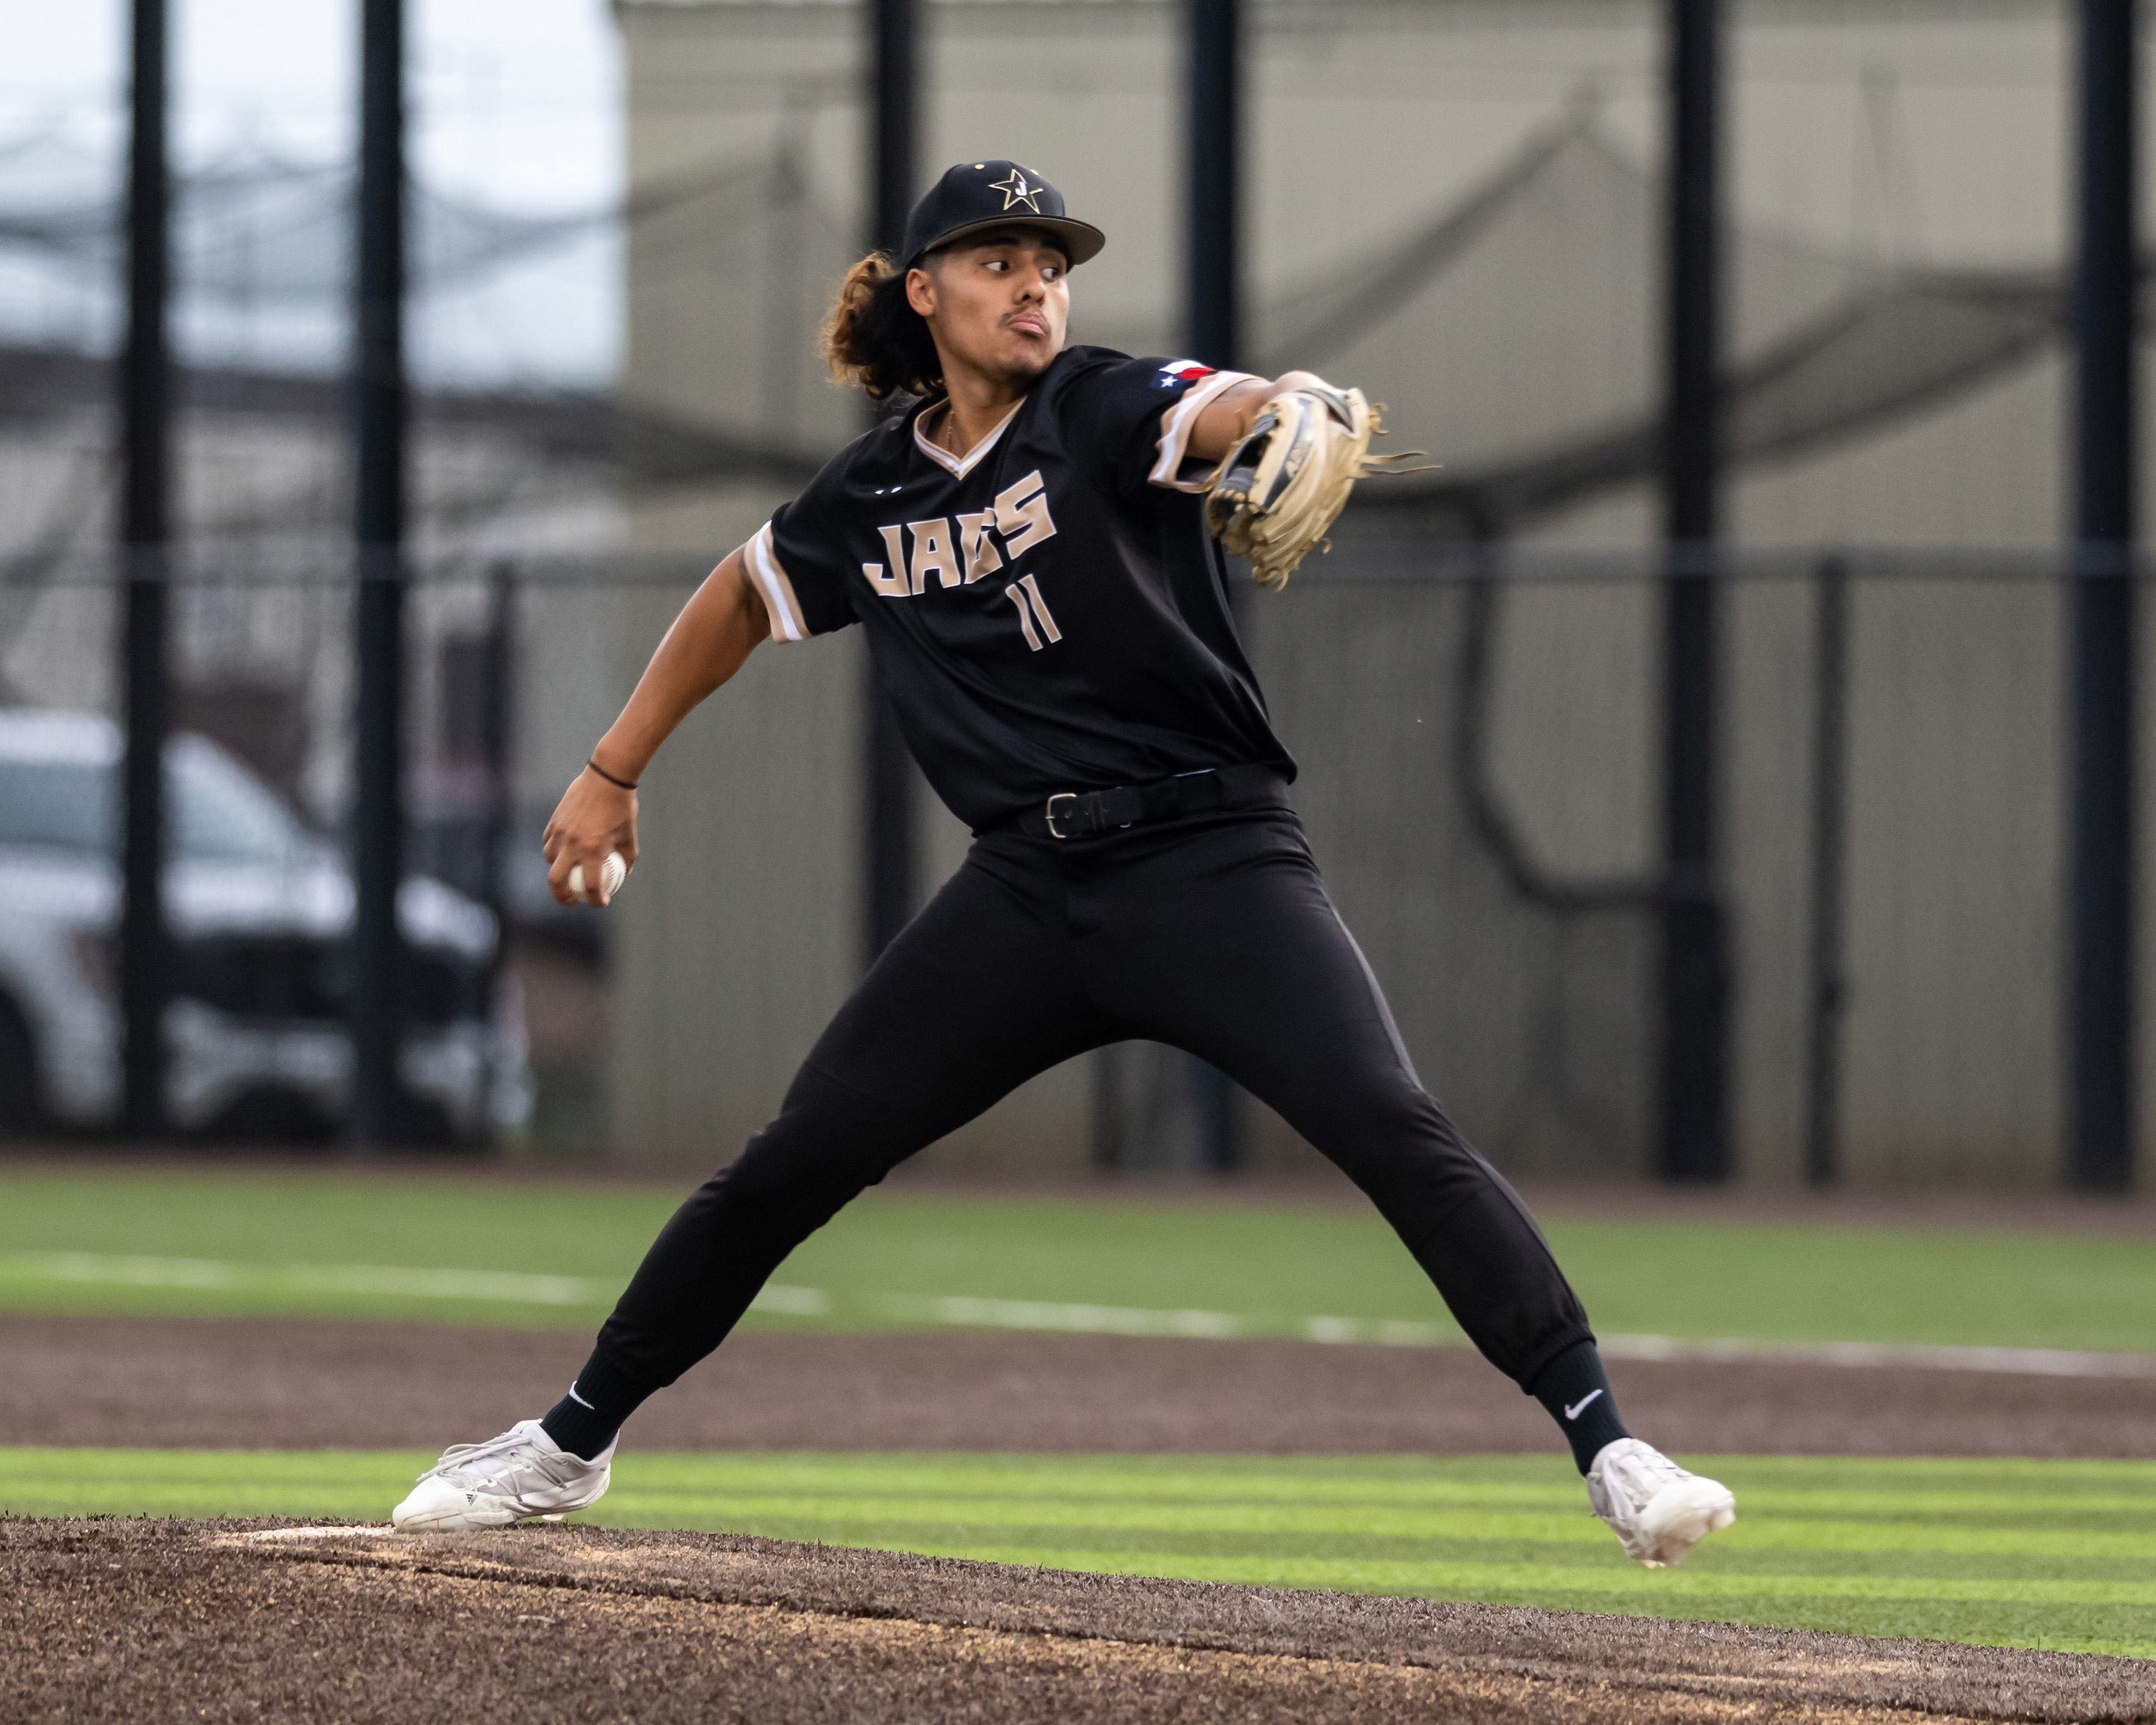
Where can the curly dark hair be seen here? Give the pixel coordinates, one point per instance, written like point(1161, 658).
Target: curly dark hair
point(872, 337)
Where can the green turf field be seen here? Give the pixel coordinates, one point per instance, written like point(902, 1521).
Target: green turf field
point(472, 1249)
point(2059, 1554)
point(2053, 1554)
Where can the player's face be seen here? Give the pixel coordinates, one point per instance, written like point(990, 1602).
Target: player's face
point(998, 305)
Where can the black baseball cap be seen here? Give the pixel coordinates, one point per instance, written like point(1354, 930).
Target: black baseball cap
point(976, 196)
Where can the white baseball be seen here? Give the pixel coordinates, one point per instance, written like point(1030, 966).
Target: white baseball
point(612, 873)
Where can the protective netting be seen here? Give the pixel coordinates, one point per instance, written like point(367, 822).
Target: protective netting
point(729, 264)
point(262, 249)
point(268, 229)
point(1536, 400)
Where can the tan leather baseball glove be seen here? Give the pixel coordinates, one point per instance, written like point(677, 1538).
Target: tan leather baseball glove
point(1278, 492)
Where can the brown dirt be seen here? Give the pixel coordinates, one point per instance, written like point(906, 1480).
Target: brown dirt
point(131, 1619)
point(279, 1384)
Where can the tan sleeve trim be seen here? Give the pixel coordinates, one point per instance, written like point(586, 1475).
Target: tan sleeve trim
point(771, 580)
point(1175, 428)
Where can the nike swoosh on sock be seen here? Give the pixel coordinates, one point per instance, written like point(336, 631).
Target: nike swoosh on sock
point(1573, 1409)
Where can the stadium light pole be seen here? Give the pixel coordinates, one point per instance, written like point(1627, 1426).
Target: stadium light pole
point(894, 134)
point(1695, 983)
point(145, 532)
point(2101, 1009)
point(1213, 315)
point(378, 410)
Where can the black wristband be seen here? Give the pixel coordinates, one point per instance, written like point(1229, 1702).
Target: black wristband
point(609, 777)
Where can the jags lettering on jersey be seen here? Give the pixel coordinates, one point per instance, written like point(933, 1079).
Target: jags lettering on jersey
point(958, 551)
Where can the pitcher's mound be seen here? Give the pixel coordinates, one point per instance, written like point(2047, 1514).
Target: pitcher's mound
point(134, 1620)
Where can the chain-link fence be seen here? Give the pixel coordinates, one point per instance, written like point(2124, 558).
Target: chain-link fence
point(1477, 731)
point(511, 671)
point(1480, 733)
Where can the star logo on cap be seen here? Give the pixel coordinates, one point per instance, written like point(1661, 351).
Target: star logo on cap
point(1017, 191)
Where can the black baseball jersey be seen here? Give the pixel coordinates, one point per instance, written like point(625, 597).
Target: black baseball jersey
point(1047, 612)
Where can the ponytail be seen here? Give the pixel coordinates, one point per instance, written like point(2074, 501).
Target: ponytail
point(874, 338)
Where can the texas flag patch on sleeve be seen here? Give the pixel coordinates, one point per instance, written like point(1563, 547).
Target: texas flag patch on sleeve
point(1181, 371)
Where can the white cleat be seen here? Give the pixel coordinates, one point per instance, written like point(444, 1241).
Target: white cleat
point(521, 1476)
point(1658, 1509)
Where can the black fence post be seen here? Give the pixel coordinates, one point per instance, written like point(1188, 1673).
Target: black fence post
point(2102, 1010)
point(1829, 864)
point(146, 534)
point(1695, 978)
point(497, 744)
point(1213, 197)
point(891, 857)
point(1212, 208)
point(379, 409)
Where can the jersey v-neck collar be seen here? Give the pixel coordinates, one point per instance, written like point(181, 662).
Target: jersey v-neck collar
point(960, 465)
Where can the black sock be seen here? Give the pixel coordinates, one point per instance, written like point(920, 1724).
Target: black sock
point(585, 1420)
point(1573, 1388)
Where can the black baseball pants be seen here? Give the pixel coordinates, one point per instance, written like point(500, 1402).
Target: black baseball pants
point(1211, 933)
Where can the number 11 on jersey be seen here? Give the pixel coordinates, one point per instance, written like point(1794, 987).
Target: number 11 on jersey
point(1032, 612)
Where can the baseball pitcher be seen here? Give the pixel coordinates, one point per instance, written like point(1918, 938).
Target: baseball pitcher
point(1036, 550)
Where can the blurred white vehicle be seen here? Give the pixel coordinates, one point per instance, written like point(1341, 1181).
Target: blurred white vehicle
point(260, 912)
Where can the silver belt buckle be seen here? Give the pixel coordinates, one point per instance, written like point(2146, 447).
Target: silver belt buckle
point(1070, 797)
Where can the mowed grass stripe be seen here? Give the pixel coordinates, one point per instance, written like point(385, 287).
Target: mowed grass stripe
point(2003, 1617)
point(2059, 1555)
point(899, 1259)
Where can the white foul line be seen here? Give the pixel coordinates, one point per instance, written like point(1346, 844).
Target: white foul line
point(2023, 1362)
point(392, 1280)
point(971, 1312)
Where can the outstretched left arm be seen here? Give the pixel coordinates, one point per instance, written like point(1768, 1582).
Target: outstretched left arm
point(1226, 419)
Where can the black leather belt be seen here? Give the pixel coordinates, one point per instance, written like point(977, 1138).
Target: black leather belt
point(1083, 815)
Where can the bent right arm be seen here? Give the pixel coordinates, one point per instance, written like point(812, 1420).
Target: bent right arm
point(710, 641)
